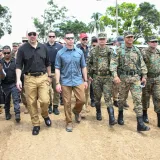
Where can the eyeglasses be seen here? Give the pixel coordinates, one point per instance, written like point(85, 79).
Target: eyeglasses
point(154, 41)
point(6, 52)
point(51, 36)
point(85, 39)
point(32, 34)
point(69, 38)
point(130, 37)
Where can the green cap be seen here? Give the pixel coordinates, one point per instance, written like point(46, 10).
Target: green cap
point(102, 35)
point(152, 38)
point(128, 34)
point(15, 44)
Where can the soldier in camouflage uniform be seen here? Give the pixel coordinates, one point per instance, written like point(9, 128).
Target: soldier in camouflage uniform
point(126, 66)
point(98, 68)
point(151, 56)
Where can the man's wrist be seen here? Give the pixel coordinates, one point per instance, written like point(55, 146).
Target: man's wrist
point(57, 83)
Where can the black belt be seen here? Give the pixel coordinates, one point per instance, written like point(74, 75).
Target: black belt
point(128, 73)
point(36, 74)
point(153, 75)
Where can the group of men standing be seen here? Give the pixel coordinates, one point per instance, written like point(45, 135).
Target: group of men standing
point(80, 69)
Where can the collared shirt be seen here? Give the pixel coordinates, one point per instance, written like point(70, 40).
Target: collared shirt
point(52, 52)
point(85, 51)
point(33, 59)
point(70, 64)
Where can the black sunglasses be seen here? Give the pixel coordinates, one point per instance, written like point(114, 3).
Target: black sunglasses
point(68, 38)
point(85, 39)
point(51, 36)
point(32, 34)
point(6, 52)
point(154, 41)
point(130, 37)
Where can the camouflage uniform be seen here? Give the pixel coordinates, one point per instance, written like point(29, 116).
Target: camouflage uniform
point(128, 64)
point(151, 57)
point(98, 68)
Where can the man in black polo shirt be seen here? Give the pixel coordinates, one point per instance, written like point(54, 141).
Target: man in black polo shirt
point(9, 84)
point(34, 57)
point(53, 48)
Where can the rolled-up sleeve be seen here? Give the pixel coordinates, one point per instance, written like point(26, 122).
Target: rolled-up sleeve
point(83, 62)
point(19, 59)
point(58, 61)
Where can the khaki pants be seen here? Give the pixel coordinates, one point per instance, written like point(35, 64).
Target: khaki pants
point(67, 95)
point(37, 88)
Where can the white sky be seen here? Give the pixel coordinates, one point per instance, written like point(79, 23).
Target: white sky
point(24, 10)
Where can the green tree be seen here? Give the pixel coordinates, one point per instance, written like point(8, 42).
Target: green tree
point(5, 17)
point(96, 25)
point(74, 26)
point(50, 19)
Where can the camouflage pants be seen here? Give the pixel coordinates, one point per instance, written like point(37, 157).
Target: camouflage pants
point(131, 84)
point(103, 84)
point(115, 91)
point(152, 88)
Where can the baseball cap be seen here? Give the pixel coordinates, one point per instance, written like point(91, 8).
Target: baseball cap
point(31, 30)
point(128, 34)
point(102, 35)
point(15, 44)
point(152, 38)
point(83, 35)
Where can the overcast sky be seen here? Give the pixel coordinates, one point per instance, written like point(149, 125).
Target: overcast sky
point(24, 10)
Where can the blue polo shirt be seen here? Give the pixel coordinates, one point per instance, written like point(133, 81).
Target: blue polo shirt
point(70, 63)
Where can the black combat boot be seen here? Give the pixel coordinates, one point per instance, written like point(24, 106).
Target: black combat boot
point(55, 110)
point(120, 118)
point(8, 116)
point(98, 111)
point(112, 120)
point(115, 103)
point(17, 117)
point(140, 125)
point(145, 116)
point(158, 119)
point(50, 109)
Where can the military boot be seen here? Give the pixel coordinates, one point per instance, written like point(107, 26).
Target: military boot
point(50, 109)
point(120, 118)
point(145, 116)
point(115, 103)
point(140, 125)
point(158, 119)
point(55, 110)
point(98, 111)
point(112, 120)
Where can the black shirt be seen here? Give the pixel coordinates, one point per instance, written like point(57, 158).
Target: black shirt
point(52, 52)
point(33, 59)
point(85, 52)
point(10, 70)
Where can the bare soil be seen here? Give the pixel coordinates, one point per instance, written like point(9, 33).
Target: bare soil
point(90, 140)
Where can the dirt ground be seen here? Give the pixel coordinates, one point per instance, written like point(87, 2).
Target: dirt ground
point(91, 139)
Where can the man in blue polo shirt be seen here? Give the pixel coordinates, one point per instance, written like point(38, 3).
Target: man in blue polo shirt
point(53, 48)
point(71, 75)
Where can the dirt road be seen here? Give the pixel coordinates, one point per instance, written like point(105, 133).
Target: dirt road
point(90, 140)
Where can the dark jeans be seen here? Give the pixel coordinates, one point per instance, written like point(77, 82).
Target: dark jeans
point(91, 93)
point(8, 90)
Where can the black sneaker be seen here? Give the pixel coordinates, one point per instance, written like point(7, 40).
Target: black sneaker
point(48, 121)
point(55, 110)
point(35, 130)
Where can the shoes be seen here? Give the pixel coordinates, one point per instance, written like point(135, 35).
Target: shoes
point(35, 130)
point(69, 127)
point(99, 116)
point(112, 120)
point(93, 104)
point(120, 118)
point(77, 117)
point(1, 111)
point(115, 103)
point(55, 110)
point(48, 121)
point(140, 125)
point(145, 116)
point(8, 116)
point(61, 102)
point(17, 117)
point(50, 109)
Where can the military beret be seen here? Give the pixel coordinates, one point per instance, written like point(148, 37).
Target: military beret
point(102, 35)
point(152, 38)
point(128, 34)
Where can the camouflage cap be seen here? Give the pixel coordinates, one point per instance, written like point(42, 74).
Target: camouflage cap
point(15, 44)
point(102, 35)
point(24, 39)
point(152, 38)
point(128, 34)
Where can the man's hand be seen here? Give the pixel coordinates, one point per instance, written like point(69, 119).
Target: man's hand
point(143, 81)
point(58, 88)
point(90, 79)
point(85, 85)
point(19, 85)
point(116, 80)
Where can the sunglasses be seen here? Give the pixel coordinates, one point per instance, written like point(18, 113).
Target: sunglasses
point(93, 45)
point(32, 34)
point(6, 53)
point(130, 37)
point(51, 36)
point(69, 38)
point(154, 41)
point(85, 39)
point(15, 46)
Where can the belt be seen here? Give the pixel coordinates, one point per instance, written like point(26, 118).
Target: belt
point(103, 73)
point(36, 74)
point(128, 73)
point(153, 75)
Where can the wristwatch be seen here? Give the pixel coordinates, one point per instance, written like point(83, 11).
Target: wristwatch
point(50, 76)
